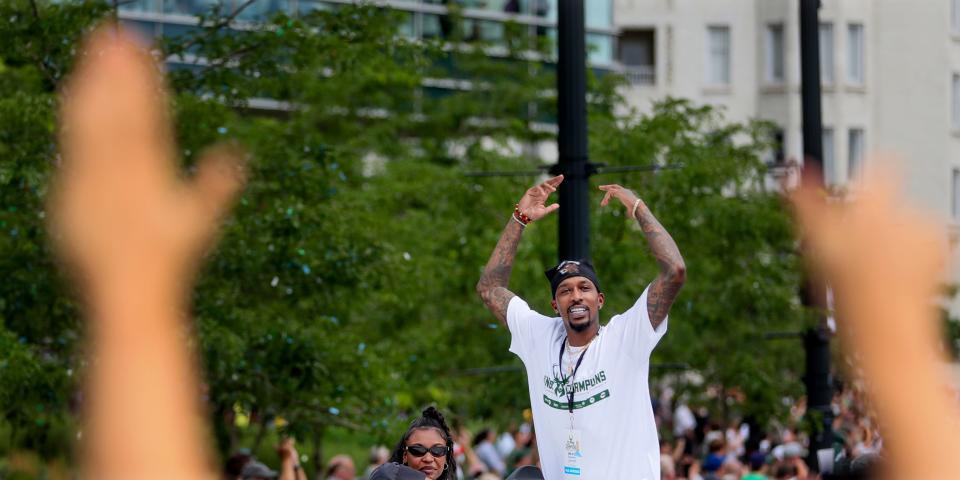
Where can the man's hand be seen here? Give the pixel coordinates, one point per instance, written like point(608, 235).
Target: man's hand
point(673, 272)
point(625, 195)
point(533, 203)
point(492, 286)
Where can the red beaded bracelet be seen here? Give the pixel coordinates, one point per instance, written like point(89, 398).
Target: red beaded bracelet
point(520, 216)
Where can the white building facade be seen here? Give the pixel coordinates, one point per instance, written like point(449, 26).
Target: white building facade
point(890, 73)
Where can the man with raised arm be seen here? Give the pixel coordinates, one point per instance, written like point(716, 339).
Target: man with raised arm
point(588, 383)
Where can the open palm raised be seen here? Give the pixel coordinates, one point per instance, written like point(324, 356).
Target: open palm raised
point(533, 204)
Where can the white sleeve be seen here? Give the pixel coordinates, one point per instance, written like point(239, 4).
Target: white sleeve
point(632, 328)
point(521, 320)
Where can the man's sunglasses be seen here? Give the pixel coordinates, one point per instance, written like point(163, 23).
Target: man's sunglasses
point(418, 450)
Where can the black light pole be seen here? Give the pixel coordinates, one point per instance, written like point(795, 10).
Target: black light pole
point(816, 341)
point(574, 241)
point(810, 84)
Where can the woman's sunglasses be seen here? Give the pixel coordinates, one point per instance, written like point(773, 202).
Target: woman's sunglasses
point(418, 450)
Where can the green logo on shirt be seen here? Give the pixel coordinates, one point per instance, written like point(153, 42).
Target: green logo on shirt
point(577, 404)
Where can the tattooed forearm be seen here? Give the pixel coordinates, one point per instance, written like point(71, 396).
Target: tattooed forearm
point(673, 272)
point(492, 286)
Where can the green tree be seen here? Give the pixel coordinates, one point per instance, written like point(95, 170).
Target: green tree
point(342, 292)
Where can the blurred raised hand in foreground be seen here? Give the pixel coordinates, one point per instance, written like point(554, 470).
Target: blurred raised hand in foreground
point(885, 263)
point(132, 232)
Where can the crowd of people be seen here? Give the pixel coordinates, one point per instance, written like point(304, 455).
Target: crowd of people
point(694, 445)
point(486, 455)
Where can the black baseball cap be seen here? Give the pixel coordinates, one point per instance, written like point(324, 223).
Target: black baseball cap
point(526, 473)
point(395, 471)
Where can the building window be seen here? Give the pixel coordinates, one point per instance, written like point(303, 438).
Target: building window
point(433, 26)
point(599, 49)
point(829, 159)
point(955, 195)
point(774, 50)
point(638, 56)
point(855, 54)
point(718, 61)
point(598, 13)
point(407, 26)
point(826, 53)
point(855, 148)
point(139, 6)
point(777, 153)
point(955, 100)
point(955, 16)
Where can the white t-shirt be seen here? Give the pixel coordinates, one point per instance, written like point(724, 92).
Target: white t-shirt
point(612, 409)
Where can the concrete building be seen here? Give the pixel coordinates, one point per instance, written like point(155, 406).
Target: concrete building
point(890, 73)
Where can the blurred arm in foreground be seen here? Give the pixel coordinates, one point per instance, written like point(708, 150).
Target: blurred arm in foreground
point(133, 233)
point(885, 264)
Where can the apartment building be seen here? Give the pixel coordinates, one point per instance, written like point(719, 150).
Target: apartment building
point(890, 72)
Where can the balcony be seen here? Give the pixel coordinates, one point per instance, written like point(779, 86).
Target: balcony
point(637, 54)
point(640, 74)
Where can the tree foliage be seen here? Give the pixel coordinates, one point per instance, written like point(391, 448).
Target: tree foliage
point(342, 291)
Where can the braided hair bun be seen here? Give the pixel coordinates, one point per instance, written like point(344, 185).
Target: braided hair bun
point(431, 413)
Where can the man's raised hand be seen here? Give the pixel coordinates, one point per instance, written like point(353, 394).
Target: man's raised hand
point(533, 204)
point(625, 195)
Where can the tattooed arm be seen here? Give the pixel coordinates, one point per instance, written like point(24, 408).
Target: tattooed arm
point(673, 272)
point(492, 286)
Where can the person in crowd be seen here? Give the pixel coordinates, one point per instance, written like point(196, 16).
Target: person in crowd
point(580, 376)
point(668, 468)
point(255, 470)
point(787, 471)
point(290, 468)
point(715, 458)
point(233, 467)
point(487, 452)
point(379, 455)
point(427, 447)
point(684, 422)
point(341, 467)
point(507, 441)
point(469, 464)
point(757, 463)
point(524, 455)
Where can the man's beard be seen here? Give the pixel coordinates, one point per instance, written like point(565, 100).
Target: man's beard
point(580, 327)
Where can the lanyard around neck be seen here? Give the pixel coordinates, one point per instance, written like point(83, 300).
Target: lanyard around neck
point(568, 381)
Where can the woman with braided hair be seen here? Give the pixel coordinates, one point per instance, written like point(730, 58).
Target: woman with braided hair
point(427, 446)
